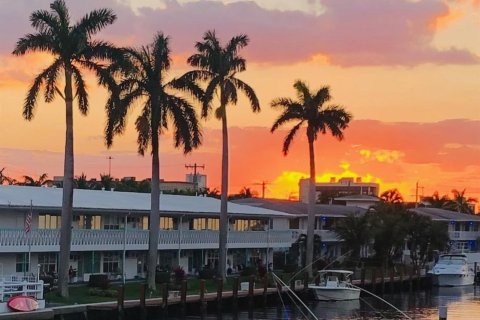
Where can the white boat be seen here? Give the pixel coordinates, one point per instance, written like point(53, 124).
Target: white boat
point(453, 270)
point(335, 285)
point(15, 287)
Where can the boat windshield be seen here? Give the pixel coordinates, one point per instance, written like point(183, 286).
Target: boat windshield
point(451, 260)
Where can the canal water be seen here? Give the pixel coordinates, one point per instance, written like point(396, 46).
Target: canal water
point(463, 303)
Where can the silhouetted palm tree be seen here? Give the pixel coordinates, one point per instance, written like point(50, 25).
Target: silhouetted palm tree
point(392, 196)
point(218, 66)
point(355, 232)
point(41, 181)
point(4, 178)
point(146, 82)
point(461, 203)
point(309, 109)
point(73, 49)
point(435, 201)
point(81, 182)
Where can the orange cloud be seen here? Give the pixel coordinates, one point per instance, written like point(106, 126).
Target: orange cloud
point(18, 71)
point(445, 19)
point(389, 156)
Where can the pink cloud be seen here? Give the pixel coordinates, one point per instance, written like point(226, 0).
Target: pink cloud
point(355, 32)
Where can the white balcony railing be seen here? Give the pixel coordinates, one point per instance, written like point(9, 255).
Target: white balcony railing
point(464, 235)
point(13, 240)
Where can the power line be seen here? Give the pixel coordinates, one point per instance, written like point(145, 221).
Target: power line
point(194, 167)
point(263, 184)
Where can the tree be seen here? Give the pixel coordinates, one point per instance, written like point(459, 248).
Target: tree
point(4, 178)
point(355, 231)
point(41, 181)
point(461, 203)
point(145, 80)
point(81, 182)
point(218, 66)
point(73, 49)
point(392, 196)
point(425, 236)
point(435, 201)
point(106, 182)
point(309, 109)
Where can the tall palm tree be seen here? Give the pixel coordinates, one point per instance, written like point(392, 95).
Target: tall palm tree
point(461, 203)
point(309, 109)
point(146, 82)
point(218, 66)
point(73, 49)
point(392, 196)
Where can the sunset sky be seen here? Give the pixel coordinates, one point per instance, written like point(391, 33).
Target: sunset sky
point(408, 70)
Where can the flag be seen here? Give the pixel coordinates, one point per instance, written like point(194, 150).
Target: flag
point(28, 221)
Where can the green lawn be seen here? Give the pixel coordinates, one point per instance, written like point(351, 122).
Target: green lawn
point(79, 294)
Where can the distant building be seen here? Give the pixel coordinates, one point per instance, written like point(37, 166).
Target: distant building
point(201, 180)
point(176, 186)
point(326, 192)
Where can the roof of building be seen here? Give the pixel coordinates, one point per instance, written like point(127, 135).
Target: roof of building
point(444, 215)
point(359, 197)
point(300, 208)
point(114, 201)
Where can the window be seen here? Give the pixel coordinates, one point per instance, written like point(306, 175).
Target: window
point(295, 223)
point(47, 221)
point(212, 259)
point(249, 225)
point(88, 222)
point(111, 222)
point(166, 223)
point(204, 224)
point(111, 262)
point(47, 262)
point(22, 264)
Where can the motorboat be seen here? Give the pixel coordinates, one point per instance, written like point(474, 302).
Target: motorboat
point(452, 270)
point(335, 285)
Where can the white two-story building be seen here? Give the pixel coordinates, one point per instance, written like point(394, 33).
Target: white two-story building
point(110, 232)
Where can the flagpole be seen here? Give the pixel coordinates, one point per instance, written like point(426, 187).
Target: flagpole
point(29, 239)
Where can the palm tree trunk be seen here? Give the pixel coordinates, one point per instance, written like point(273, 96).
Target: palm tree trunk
point(154, 213)
point(223, 234)
point(311, 208)
point(67, 200)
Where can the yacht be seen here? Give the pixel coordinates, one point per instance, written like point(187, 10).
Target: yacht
point(335, 285)
point(453, 270)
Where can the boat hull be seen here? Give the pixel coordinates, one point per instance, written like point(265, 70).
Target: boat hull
point(454, 280)
point(335, 294)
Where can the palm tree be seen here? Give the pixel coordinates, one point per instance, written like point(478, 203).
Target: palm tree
point(81, 181)
point(41, 181)
point(435, 201)
point(392, 196)
point(217, 66)
point(309, 109)
point(106, 182)
point(146, 82)
point(355, 232)
point(73, 49)
point(461, 203)
point(4, 178)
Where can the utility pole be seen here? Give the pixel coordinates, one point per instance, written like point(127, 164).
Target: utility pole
point(416, 193)
point(109, 166)
point(194, 167)
point(263, 184)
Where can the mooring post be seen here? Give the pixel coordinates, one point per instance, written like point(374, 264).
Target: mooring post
point(265, 290)
point(183, 297)
point(251, 287)
point(374, 279)
point(164, 297)
point(143, 290)
point(382, 270)
point(235, 284)
point(305, 281)
point(442, 313)
point(410, 280)
point(120, 302)
point(401, 279)
point(219, 294)
point(392, 280)
point(362, 277)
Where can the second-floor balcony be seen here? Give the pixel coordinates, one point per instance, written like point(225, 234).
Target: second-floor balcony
point(463, 235)
point(45, 240)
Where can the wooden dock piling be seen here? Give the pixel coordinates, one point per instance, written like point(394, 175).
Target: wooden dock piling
point(121, 302)
point(143, 310)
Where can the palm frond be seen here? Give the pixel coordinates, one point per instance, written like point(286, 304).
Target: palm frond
point(61, 9)
point(303, 92)
point(236, 43)
point(51, 80)
point(144, 130)
point(287, 116)
point(322, 96)
point(208, 97)
point(42, 42)
point(95, 20)
point(81, 90)
point(44, 21)
point(249, 92)
point(229, 93)
point(289, 138)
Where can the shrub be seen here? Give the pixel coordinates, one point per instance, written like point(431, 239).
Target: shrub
point(98, 281)
point(102, 293)
point(179, 274)
point(248, 271)
point(206, 274)
point(162, 277)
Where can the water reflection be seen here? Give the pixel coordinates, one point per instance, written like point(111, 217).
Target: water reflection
point(463, 304)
